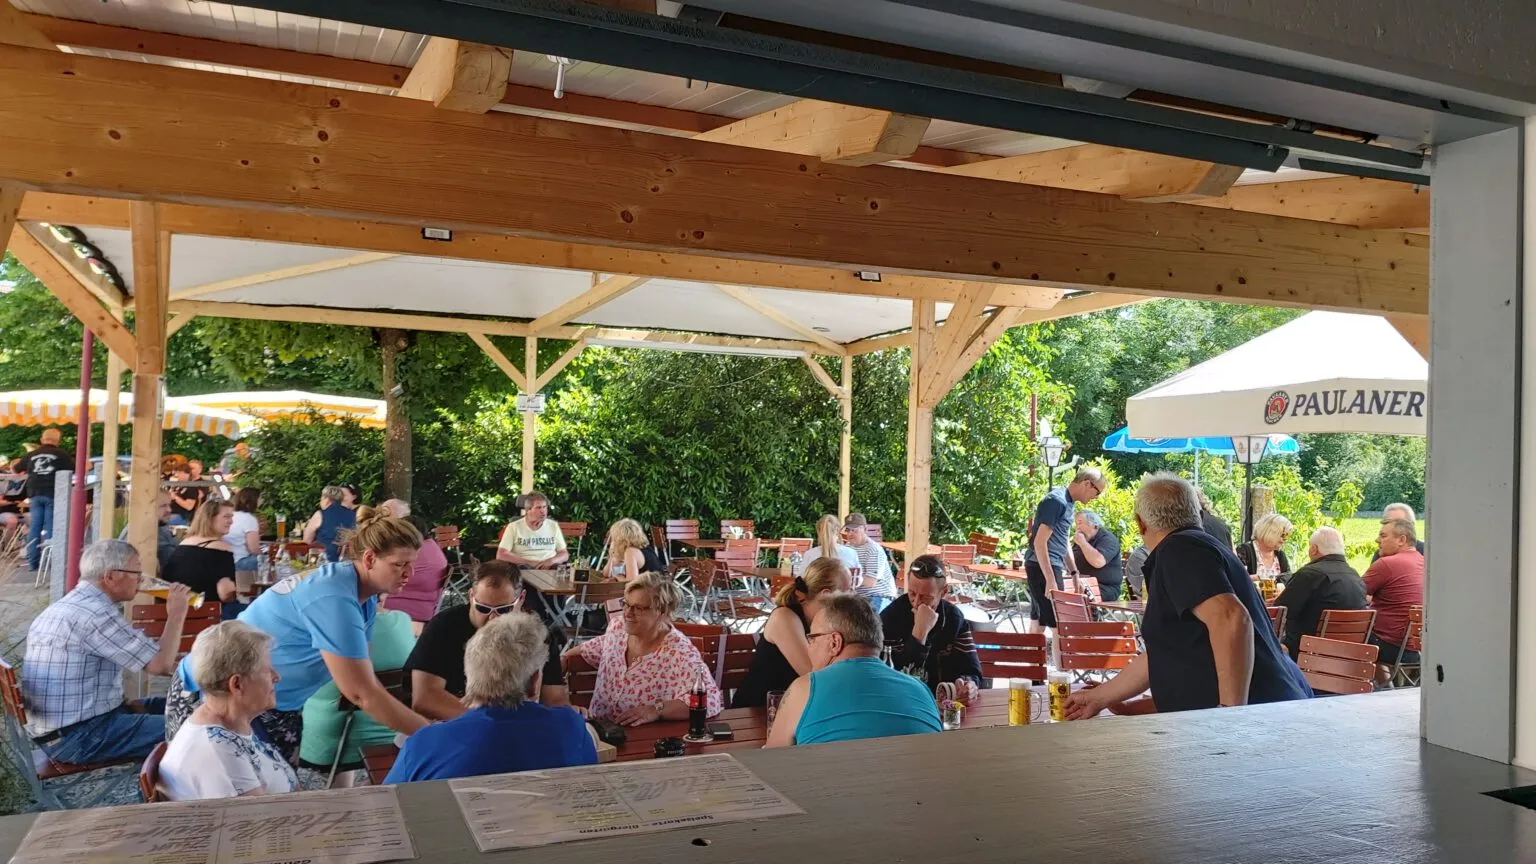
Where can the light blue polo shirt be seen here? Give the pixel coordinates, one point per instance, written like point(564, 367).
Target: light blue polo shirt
point(305, 614)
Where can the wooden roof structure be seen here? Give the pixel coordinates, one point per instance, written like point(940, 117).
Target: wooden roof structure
point(244, 162)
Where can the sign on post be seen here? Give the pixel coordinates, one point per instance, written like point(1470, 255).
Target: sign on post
point(530, 404)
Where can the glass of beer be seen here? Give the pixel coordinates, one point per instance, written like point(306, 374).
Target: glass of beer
point(164, 593)
point(1060, 684)
point(1025, 706)
point(1269, 588)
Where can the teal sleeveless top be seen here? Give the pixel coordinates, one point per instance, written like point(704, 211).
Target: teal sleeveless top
point(864, 698)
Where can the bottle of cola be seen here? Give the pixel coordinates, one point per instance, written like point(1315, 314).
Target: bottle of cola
point(698, 704)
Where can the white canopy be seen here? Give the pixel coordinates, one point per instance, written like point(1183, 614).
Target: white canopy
point(1323, 372)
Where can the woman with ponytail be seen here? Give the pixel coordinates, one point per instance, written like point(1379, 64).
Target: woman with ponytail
point(829, 544)
point(320, 622)
point(783, 649)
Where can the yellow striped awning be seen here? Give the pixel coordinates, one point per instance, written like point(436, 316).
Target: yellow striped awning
point(62, 407)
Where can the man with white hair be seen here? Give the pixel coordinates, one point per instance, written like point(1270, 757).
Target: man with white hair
point(1328, 582)
point(505, 729)
point(1399, 511)
point(1209, 640)
point(77, 649)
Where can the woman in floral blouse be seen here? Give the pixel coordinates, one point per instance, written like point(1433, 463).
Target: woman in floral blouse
point(645, 667)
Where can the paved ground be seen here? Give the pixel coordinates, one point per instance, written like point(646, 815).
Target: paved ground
point(19, 604)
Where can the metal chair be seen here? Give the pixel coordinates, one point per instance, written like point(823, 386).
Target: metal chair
point(1332, 666)
point(1089, 648)
point(43, 773)
point(1277, 619)
point(577, 530)
point(395, 682)
point(1070, 606)
point(149, 775)
point(1346, 625)
point(1011, 655)
point(1413, 639)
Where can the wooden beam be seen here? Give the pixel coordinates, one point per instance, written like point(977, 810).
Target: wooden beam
point(845, 441)
point(75, 296)
point(100, 287)
point(478, 246)
point(1129, 174)
point(671, 340)
point(10, 205)
point(996, 325)
point(649, 191)
point(1359, 201)
point(459, 76)
point(346, 317)
point(841, 134)
point(151, 266)
point(960, 327)
point(747, 299)
point(1415, 330)
point(499, 359)
point(1080, 304)
point(555, 368)
point(530, 418)
point(294, 272)
point(17, 29)
point(111, 426)
point(177, 321)
point(879, 343)
point(919, 433)
point(603, 291)
point(822, 376)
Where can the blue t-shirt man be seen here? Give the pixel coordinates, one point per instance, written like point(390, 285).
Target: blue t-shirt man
point(1187, 568)
point(305, 614)
point(495, 739)
point(1055, 511)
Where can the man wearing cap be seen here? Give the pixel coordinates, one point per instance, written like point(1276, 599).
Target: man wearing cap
point(875, 582)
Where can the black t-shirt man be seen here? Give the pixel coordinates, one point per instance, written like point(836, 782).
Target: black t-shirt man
point(440, 650)
point(41, 464)
point(1187, 568)
point(949, 652)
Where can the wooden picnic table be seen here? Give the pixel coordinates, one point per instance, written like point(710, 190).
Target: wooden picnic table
point(996, 570)
point(750, 726)
point(716, 544)
point(900, 547)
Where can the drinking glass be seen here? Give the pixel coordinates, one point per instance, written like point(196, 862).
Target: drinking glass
point(950, 715)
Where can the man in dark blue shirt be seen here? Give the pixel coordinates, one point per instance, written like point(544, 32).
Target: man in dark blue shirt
point(1208, 635)
point(1046, 559)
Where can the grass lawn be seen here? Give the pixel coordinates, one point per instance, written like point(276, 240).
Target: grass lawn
point(1363, 530)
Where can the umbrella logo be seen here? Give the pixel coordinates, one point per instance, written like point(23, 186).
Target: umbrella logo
point(1275, 406)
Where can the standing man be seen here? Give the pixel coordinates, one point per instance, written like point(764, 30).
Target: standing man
point(1209, 640)
point(40, 465)
point(77, 649)
point(1404, 512)
point(1328, 582)
point(534, 540)
point(1395, 581)
point(1046, 559)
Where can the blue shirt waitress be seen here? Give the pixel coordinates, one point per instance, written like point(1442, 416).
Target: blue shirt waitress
point(320, 623)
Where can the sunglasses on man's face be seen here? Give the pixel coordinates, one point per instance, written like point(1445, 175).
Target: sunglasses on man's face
point(506, 609)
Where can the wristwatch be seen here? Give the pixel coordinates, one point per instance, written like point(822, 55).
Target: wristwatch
point(660, 704)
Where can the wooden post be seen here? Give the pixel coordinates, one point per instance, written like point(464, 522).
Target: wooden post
point(919, 431)
point(106, 500)
point(530, 419)
point(151, 259)
point(397, 423)
point(845, 447)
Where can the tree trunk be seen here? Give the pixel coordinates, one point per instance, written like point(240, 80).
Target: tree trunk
point(397, 423)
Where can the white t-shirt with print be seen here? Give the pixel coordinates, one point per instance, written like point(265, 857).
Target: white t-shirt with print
point(213, 762)
point(533, 545)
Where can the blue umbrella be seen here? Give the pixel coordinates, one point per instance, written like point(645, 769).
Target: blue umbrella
point(1122, 442)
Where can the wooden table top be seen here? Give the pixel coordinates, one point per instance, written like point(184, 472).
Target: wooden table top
point(719, 543)
point(900, 546)
point(997, 570)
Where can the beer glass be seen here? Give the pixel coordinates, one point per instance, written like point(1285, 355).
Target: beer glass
point(1025, 706)
point(1060, 684)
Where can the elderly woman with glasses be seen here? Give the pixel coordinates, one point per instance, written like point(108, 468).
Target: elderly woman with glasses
point(645, 666)
point(216, 753)
point(1263, 555)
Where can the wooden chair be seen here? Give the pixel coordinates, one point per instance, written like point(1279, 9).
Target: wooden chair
point(660, 544)
point(577, 530)
point(590, 596)
point(746, 525)
point(1087, 647)
point(719, 601)
point(396, 683)
point(149, 619)
point(874, 532)
point(790, 545)
point(1346, 626)
point(1011, 655)
point(1277, 619)
point(149, 775)
point(580, 681)
point(31, 761)
point(739, 557)
point(1413, 640)
point(736, 651)
point(681, 531)
point(1333, 666)
point(447, 538)
point(986, 546)
point(958, 554)
point(1070, 606)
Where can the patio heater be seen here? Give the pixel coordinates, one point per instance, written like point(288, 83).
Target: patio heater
point(1248, 449)
point(1052, 448)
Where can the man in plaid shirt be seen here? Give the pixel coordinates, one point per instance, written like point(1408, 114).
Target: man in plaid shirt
point(77, 649)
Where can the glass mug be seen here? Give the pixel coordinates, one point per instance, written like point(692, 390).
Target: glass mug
point(1025, 706)
point(1269, 588)
point(1060, 685)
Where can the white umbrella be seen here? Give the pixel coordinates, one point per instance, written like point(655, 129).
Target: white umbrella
point(1323, 372)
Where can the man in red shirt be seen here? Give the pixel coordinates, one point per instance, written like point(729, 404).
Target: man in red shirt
point(1395, 582)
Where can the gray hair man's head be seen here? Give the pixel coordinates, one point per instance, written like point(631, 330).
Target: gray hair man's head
point(1092, 518)
point(225, 650)
point(1398, 510)
point(502, 658)
point(1327, 541)
point(1167, 502)
point(104, 556)
point(336, 494)
point(395, 507)
point(854, 618)
point(1404, 529)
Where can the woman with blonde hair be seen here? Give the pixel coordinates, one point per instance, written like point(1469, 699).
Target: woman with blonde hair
point(203, 561)
point(783, 647)
point(645, 667)
point(320, 622)
point(1263, 555)
point(629, 552)
point(829, 544)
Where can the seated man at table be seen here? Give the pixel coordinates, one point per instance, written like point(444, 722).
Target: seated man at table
point(1208, 636)
point(436, 663)
point(1395, 581)
point(931, 637)
point(534, 540)
point(1327, 582)
point(502, 729)
point(850, 694)
point(1096, 552)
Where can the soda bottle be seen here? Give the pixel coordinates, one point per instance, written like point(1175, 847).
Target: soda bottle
point(698, 704)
